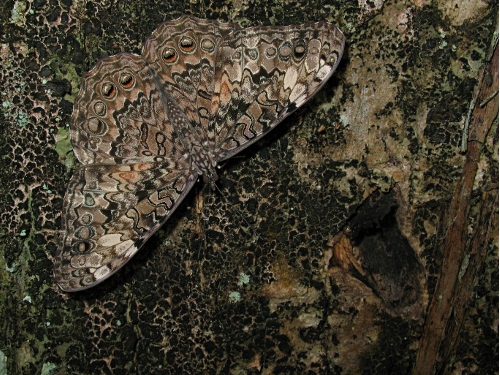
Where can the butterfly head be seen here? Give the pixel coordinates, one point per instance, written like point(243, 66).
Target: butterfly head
point(209, 177)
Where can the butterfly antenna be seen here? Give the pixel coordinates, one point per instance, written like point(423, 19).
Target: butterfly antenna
point(203, 219)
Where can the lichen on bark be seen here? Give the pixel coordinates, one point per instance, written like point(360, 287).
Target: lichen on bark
point(336, 218)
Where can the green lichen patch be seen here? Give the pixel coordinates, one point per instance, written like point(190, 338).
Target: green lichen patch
point(63, 147)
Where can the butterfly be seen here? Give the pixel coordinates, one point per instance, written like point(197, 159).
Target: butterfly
point(145, 127)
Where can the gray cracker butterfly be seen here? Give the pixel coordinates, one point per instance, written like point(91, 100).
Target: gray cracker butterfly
point(146, 127)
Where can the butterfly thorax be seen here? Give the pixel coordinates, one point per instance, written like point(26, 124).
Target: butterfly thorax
point(197, 148)
point(201, 158)
point(206, 164)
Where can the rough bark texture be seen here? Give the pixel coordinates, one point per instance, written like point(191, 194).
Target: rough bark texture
point(359, 237)
point(463, 252)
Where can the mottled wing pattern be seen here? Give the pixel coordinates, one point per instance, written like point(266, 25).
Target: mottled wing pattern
point(109, 212)
point(136, 170)
point(182, 53)
point(145, 127)
point(263, 74)
point(120, 114)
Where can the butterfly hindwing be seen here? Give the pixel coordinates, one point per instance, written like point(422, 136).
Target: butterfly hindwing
point(119, 115)
point(109, 212)
point(182, 53)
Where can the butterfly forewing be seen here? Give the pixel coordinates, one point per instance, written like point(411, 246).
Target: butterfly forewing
point(265, 73)
point(145, 127)
point(109, 212)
